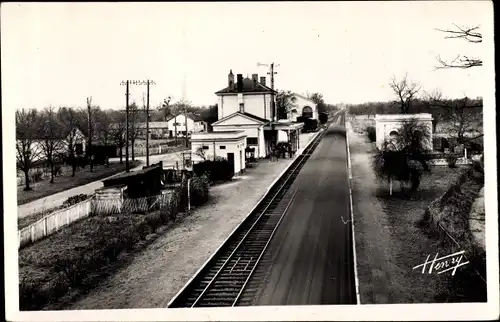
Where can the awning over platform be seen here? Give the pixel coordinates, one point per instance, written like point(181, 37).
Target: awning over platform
point(284, 126)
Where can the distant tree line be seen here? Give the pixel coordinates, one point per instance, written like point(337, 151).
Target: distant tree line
point(48, 136)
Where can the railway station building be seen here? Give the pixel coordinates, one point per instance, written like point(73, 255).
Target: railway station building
point(249, 105)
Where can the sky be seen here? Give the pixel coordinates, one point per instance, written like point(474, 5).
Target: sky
point(58, 54)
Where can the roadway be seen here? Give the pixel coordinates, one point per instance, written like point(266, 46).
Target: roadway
point(310, 256)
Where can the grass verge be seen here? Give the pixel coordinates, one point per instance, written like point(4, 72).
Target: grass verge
point(44, 188)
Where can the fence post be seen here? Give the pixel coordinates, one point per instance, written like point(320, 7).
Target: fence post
point(189, 195)
point(67, 217)
point(45, 226)
point(32, 233)
point(57, 222)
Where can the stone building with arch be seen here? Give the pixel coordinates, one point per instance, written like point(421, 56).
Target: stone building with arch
point(387, 126)
point(302, 106)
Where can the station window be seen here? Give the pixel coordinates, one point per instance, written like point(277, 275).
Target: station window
point(222, 147)
point(252, 141)
point(205, 147)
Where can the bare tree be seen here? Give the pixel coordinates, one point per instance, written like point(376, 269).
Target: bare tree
point(165, 107)
point(318, 99)
point(118, 132)
point(406, 92)
point(470, 34)
point(52, 139)
point(201, 153)
point(27, 151)
point(463, 119)
point(103, 126)
point(437, 106)
point(284, 103)
point(68, 117)
point(133, 130)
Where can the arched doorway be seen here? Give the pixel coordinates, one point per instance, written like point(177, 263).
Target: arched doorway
point(307, 112)
point(393, 134)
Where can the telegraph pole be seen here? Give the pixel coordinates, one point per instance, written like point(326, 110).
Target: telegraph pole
point(272, 73)
point(89, 152)
point(126, 83)
point(147, 127)
point(186, 123)
point(138, 82)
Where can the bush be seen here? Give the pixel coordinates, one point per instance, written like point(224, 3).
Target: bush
point(58, 170)
point(36, 176)
point(452, 160)
point(75, 199)
point(199, 187)
point(218, 170)
point(371, 133)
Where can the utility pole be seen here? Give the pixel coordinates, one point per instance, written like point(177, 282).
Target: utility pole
point(89, 152)
point(139, 82)
point(126, 83)
point(147, 126)
point(272, 73)
point(273, 104)
point(186, 122)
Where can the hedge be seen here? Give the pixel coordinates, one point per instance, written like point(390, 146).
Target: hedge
point(371, 133)
point(217, 170)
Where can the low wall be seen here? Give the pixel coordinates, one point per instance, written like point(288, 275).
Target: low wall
point(460, 161)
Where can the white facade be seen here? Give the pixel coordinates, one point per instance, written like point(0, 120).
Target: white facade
point(258, 104)
point(180, 123)
point(251, 127)
point(299, 104)
point(227, 144)
point(388, 124)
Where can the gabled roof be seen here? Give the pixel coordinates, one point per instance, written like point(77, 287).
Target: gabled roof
point(192, 116)
point(244, 114)
point(248, 86)
point(303, 97)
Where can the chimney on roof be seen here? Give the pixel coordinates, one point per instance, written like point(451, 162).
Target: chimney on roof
point(255, 79)
point(263, 80)
point(230, 80)
point(239, 84)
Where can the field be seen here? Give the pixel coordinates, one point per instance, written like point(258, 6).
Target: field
point(66, 181)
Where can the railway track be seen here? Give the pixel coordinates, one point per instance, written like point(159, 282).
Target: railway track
point(223, 279)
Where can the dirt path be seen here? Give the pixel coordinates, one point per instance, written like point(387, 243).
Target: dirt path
point(161, 270)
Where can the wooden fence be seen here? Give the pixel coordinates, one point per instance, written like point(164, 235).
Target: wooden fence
point(63, 217)
point(53, 222)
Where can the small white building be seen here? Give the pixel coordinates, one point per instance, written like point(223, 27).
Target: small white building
point(157, 130)
point(229, 145)
point(302, 106)
point(181, 124)
point(387, 125)
point(251, 125)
